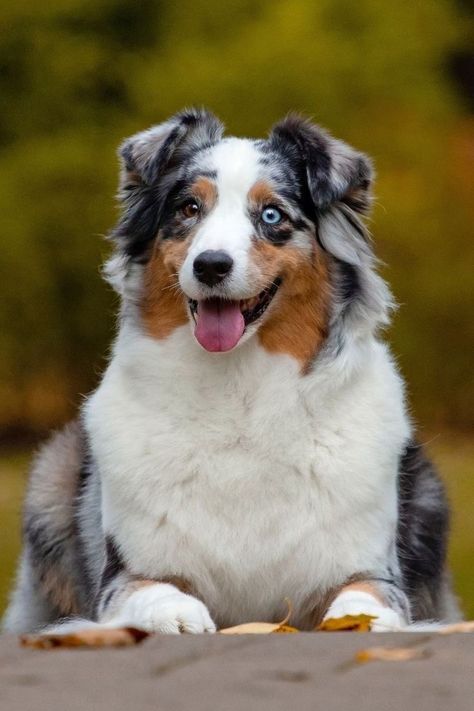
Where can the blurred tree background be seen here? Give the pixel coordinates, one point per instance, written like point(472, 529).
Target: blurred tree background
point(79, 75)
point(76, 76)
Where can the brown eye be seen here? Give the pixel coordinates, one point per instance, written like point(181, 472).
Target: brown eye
point(189, 209)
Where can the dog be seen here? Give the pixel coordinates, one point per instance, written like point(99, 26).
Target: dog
point(249, 442)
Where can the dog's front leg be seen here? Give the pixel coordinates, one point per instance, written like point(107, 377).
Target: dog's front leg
point(164, 606)
point(381, 598)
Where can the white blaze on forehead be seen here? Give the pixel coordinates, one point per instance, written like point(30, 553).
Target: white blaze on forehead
point(236, 161)
point(228, 226)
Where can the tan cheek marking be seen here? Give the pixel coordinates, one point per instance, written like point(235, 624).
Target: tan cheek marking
point(206, 191)
point(163, 306)
point(298, 323)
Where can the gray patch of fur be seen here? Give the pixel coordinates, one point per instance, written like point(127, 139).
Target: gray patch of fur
point(49, 577)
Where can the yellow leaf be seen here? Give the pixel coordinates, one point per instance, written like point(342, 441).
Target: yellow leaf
point(286, 629)
point(348, 623)
point(94, 637)
point(389, 654)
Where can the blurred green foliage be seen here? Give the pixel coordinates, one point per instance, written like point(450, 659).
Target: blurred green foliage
point(76, 76)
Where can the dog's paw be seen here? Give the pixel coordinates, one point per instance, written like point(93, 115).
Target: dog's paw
point(357, 602)
point(163, 608)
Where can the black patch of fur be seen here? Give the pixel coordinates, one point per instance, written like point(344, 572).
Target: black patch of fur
point(423, 524)
point(348, 282)
point(290, 176)
point(279, 234)
point(114, 563)
point(313, 150)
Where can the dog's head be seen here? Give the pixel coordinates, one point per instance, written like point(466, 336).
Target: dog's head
point(239, 236)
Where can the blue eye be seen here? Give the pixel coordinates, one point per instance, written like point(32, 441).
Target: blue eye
point(271, 216)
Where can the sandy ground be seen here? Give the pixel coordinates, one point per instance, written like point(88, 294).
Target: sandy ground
point(295, 672)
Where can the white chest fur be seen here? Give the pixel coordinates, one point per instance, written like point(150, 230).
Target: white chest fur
point(237, 473)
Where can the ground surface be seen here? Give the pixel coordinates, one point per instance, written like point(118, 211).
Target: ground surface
point(295, 672)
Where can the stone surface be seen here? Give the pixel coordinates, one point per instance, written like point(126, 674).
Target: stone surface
point(281, 672)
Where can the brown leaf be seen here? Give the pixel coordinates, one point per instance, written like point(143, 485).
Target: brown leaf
point(94, 637)
point(348, 623)
point(389, 654)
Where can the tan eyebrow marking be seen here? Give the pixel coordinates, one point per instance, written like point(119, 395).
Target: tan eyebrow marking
point(205, 190)
point(262, 193)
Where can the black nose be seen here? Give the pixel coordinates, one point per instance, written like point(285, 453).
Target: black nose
point(211, 266)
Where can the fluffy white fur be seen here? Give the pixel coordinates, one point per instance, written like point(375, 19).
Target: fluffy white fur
point(163, 608)
point(238, 474)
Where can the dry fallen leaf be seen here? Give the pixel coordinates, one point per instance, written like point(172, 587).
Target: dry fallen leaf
point(258, 628)
point(390, 654)
point(95, 637)
point(348, 623)
point(458, 627)
point(263, 627)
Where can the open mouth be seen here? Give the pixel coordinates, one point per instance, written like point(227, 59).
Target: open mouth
point(221, 323)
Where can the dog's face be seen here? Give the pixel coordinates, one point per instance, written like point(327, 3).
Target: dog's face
point(227, 230)
point(235, 238)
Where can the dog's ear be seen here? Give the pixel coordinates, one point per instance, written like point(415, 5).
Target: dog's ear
point(338, 181)
point(334, 171)
point(150, 161)
point(147, 155)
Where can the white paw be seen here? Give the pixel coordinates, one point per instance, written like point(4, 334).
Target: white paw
point(356, 602)
point(163, 608)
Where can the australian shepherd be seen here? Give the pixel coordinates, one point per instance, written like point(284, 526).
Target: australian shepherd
point(249, 442)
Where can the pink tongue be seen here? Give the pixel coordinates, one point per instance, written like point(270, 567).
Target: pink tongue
point(220, 324)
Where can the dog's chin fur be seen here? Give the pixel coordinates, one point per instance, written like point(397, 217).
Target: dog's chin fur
point(204, 489)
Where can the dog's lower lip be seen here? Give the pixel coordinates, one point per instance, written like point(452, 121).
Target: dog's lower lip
point(262, 301)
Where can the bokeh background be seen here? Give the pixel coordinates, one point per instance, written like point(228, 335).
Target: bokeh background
point(76, 76)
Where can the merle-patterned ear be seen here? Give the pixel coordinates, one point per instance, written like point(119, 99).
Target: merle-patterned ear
point(335, 171)
point(148, 154)
point(337, 180)
point(150, 161)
